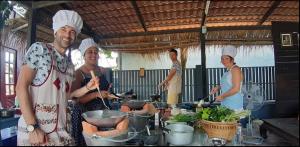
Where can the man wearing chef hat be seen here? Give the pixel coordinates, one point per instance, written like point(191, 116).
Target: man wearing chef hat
point(231, 81)
point(44, 84)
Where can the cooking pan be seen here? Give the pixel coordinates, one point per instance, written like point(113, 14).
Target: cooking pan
point(211, 103)
point(104, 118)
point(134, 104)
point(157, 96)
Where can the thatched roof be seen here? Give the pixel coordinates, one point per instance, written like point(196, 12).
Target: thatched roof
point(155, 26)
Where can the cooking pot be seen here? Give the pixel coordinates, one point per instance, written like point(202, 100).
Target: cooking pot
point(139, 121)
point(6, 113)
point(179, 134)
point(104, 118)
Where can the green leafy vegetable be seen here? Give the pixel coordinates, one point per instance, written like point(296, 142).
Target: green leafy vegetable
point(220, 114)
point(183, 118)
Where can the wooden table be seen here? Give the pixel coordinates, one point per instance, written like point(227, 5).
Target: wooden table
point(6, 123)
point(288, 128)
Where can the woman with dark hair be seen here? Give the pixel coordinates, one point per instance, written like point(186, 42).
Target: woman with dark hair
point(92, 100)
point(231, 81)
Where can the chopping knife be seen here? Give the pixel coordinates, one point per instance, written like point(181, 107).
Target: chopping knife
point(93, 76)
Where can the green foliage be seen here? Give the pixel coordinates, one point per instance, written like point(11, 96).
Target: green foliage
point(107, 53)
point(220, 114)
point(183, 118)
point(5, 9)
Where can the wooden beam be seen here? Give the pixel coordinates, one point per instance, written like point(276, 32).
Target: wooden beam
point(41, 4)
point(186, 31)
point(269, 12)
point(205, 12)
point(138, 13)
point(20, 27)
point(147, 44)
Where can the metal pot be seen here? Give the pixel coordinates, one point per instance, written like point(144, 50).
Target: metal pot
point(6, 113)
point(179, 134)
point(139, 121)
point(104, 118)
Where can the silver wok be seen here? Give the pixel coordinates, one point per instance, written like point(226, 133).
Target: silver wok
point(104, 118)
point(135, 104)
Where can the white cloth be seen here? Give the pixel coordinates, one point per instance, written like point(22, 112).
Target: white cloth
point(85, 44)
point(174, 87)
point(230, 51)
point(67, 17)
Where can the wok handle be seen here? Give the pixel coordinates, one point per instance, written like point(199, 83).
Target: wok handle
point(165, 130)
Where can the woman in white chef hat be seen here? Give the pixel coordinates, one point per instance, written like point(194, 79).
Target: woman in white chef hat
point(90, 101)
point(231, 81)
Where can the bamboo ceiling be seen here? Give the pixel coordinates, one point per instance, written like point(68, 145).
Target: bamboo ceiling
point(152, 26)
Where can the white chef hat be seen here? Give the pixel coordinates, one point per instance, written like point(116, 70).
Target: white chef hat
point(85, 44)
point(67, 17)
point(229, 50)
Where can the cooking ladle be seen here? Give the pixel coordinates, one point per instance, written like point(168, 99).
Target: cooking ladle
point(101, 97)
point(148, 130)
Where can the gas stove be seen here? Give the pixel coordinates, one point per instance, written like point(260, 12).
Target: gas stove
point(136, 141)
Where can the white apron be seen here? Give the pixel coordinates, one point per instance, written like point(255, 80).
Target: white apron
point(50, 102)
point(174, 89)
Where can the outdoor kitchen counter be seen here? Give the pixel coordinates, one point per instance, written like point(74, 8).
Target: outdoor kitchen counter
point(200, 139)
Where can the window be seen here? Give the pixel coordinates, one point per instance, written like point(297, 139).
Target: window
point(9, 73)
point(8, 76)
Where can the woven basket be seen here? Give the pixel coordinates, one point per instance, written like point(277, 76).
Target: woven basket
point(219, 129)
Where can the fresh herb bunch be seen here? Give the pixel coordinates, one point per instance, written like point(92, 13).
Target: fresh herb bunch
point(220, 114)
point(183, 118)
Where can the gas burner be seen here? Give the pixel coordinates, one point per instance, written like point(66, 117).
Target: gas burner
point(134, 142)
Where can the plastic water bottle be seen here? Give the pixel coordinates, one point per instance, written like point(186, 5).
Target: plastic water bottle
point(238, 136)
point(156, 120)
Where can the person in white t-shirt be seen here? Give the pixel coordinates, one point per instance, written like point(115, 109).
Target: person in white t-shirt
point(173, 80)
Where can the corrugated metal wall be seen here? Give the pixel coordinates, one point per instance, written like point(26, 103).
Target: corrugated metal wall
point(145, 86)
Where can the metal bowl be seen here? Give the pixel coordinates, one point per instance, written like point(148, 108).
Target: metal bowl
point(6, 113)
point(217, 141)
point(104, 118)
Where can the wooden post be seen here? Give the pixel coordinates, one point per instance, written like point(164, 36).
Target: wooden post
point(203, 63)
point(31, 31)
point(183, 58)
